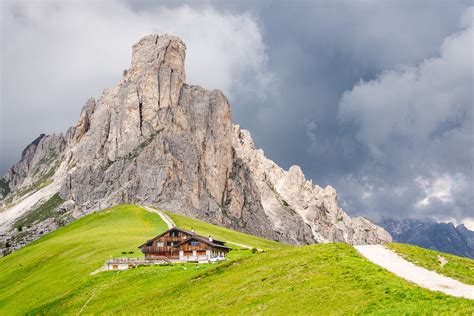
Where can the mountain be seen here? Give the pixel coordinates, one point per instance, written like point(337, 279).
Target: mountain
point(153, 139)
point(55, 275)
point(445, 237)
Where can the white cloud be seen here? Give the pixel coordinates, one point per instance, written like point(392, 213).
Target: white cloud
point(75, 37)
point(469, 223)
point(439, 188)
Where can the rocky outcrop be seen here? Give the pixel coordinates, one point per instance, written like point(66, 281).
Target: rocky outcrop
point(299, 211)
point(38, 158)
point(155, 140)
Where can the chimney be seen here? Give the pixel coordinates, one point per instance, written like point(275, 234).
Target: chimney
point(193, 231)
point(211, 239)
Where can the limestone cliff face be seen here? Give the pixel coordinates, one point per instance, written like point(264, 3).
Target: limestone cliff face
point(155, 140)
point(288, 198)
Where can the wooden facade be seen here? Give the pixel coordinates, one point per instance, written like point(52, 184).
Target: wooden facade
point(181, 245)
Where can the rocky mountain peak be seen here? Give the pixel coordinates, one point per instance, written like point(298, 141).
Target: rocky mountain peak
point(162, 57)
point(153, 139)
point(152, 48)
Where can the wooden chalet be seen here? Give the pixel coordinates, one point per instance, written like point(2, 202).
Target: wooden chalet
point(178, 244)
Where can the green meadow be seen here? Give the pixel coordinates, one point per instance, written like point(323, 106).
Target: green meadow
point(53, 276)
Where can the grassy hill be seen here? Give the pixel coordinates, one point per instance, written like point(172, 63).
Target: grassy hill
point(458, 268)
point(52, 276)
point(61, 261)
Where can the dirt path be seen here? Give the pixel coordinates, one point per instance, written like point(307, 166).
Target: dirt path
point(427, 279)
point(169, 222)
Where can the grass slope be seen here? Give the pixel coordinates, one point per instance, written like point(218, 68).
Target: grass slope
point(458, 268)
point(224, 234)
point(52, 276)
point(61, 261)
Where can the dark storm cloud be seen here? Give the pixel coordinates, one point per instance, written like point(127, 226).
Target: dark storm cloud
point(418, 122)
point(320, 50)
point(307, 55)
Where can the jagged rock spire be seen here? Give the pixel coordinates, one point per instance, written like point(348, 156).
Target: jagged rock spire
point(162, 57)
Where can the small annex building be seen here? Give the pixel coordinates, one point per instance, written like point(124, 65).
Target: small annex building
point(122, 263)
point(182, 245)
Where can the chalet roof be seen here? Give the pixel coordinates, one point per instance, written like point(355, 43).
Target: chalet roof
point(204, 240)
point(189, 233)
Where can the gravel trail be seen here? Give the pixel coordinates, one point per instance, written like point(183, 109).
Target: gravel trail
point(169, 222)
point(427, 279)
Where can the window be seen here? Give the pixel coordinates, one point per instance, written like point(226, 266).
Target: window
point(174, 233)
point(195, 243)
point(172, 243)
point(159, 244)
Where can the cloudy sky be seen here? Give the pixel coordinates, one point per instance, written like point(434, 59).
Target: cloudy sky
point(372, 97)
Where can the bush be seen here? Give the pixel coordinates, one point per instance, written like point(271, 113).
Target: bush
point(254, 250)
